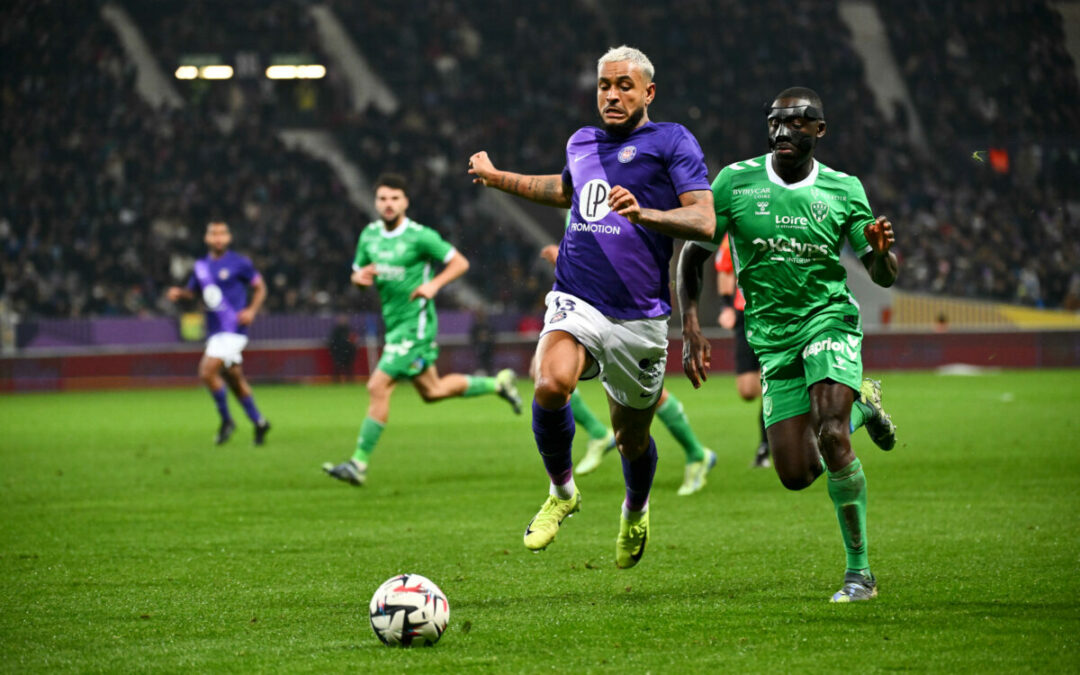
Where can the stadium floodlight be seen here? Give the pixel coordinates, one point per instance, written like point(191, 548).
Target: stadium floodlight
point(296, 72)
point(216, 72)
point(187, 73)
point(311, 72)
point(281, 72)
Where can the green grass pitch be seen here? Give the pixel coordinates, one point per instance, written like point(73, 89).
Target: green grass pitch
point(130, 543)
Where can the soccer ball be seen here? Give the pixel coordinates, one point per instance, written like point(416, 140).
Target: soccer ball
point(409, 610)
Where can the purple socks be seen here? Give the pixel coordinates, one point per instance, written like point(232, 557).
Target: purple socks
point(249, 407)
point(222, 402)
point(554, 432)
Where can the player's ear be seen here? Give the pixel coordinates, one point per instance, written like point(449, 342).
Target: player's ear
point(650, 92)
point(821, 128)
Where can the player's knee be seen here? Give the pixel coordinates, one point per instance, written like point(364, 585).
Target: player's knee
point(550, 393)
point(631, 446)
point(796, 482)
point(377, 390)
point(832, 433)
point(429, 394)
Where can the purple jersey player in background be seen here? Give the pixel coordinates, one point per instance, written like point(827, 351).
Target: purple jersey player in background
point(222, 280)
point(630, 186)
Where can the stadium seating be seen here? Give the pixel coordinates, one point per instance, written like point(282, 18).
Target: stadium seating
point(104, 198)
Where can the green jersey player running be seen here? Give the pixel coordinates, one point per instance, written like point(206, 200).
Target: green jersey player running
point(788, 216)
point(396, 254)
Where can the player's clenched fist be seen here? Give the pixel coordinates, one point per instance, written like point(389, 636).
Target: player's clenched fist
point(879, 234)
point(481, 168)
point(624, 203)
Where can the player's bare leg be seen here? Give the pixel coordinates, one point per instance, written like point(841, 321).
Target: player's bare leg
point(433, 387)
point(234, 376)
point(354, 470)
point(638, 451)
point(210, 373)
point(748, 385)
point(560, 360)
point(804, 447)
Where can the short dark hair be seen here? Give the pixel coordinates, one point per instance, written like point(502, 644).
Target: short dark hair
point(394, 181)
point(803, 92)
point(217, 221)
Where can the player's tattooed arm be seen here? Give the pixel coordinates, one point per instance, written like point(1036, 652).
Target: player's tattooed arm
point(881, 262)
point(697, 352)
point(549, 190)
point(693, 220)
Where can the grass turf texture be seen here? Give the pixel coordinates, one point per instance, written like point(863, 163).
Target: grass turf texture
point(130, 543)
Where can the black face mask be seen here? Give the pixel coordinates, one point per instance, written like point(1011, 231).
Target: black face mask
point(785, 131)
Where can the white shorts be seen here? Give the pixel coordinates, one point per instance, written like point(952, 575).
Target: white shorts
point(630, 355)
point(228, 347)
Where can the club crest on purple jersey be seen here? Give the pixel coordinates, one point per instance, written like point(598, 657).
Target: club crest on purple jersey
point(223, 274)
point(627, 153)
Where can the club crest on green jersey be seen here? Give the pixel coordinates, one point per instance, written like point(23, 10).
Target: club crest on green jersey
point(819, 210)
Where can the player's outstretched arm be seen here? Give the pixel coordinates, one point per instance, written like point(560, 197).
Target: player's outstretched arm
point(550, 253)
point(177, 293)
point(694, 220)
point(697, 352)
point(457, 266)
point(881, 262)
point(546, 190)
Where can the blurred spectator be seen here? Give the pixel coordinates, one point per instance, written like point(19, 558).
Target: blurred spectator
point(342, 344)
point(482, 337)
point(102, 198)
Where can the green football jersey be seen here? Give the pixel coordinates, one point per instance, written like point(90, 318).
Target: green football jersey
point(785, 245)
point(403, 260)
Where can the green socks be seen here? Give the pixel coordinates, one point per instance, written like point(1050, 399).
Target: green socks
point(370, 431)
point(584, 417)
point(847, 488)
point(478, 386)
point(673, 417)
point(860, 412)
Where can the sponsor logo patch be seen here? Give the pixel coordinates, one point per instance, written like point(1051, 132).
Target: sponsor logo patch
point(592, 200)
point(557, 316)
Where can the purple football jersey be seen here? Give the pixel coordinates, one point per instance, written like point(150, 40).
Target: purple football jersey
point(619, 267)
point(223, 283)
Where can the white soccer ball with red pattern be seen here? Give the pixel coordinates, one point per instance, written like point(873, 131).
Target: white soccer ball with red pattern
point(408, 611)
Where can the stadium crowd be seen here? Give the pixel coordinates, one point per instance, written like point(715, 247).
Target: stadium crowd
point(102, 198)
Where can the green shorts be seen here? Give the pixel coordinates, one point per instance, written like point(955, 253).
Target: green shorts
point(834, 353)
point(407, 358)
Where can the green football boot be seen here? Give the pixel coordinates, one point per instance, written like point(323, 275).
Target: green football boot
point(594, 453)
point(506, 388)
point(694, 476)
point(630, 544)
point(542, 529)
point(880, 427)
